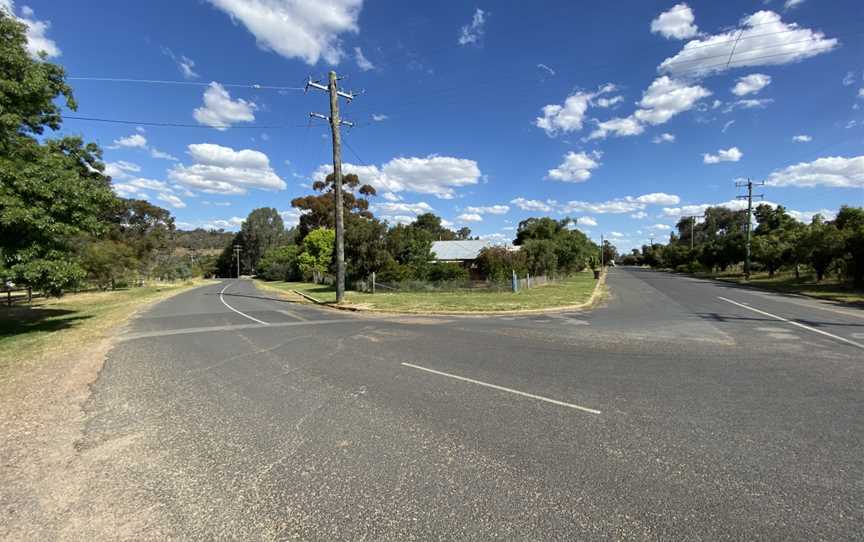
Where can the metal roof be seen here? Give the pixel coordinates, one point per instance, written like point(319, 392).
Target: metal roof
point(458, 250)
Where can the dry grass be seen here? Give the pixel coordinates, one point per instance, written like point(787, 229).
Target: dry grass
point(56, 325)
point(571, 291)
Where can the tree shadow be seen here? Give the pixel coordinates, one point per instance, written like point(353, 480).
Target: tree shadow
point(22, 320)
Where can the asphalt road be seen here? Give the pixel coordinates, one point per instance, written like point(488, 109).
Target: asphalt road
point(678, 410)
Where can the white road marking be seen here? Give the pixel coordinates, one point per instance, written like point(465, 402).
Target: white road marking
point(222, 299)
point(802, 326)
point(502, 388)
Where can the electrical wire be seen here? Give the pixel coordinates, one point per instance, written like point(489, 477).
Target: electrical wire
point(189, 83)
point(180, 125)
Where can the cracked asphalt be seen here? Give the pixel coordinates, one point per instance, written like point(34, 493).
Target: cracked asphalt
point(716, 422)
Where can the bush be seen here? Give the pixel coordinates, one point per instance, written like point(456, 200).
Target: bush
point(447, 272)
point(498, 263)
point(279, 263)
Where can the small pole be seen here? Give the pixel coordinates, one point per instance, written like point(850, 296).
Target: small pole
point(373, 282)
point(515, 282)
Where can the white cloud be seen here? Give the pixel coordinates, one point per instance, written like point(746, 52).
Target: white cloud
point(304, 29)
point(664, 138)
point(727, 125)
point(473, 32)
point(764, 40)
point(748, 103)
point(609, 102)
point(570, 116)
point(664, 98)
point(660, 227)
point(134, 141)
point(849, 79)
point(667, 97)
point(861, 92)
point(378, 118)
point(751, 84)
point(220, 111)
point(803, 138)
point(531, 205)
point(489, 209)
point(291, 217)
point(832, 171)
point(790, 4)
point(576, 167)
point(36, 30)
point(731, 154)
point(390, 196)
point(400, 219)
point(639, 215)
point(618, 127)
point(469, 217)
point(586, 221)
point(156, 153)
point(362, 62)
point(185, 64)
point(616, 234)
point(546, 68)
point(121, 169)
point(676, 23)
point(404, 208)
point(171, 200)
point(149, 184)
point(232, 223)
point(435, 175)
point(222, 170)
point(658, 198)
point(616, 206)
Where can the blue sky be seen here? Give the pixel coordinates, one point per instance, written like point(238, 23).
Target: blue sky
point(624, 115)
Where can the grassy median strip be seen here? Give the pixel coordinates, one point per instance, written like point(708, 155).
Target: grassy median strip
point(56, 325)
point(573, 290)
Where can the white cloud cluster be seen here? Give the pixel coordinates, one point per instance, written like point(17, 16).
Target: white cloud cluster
point(304, 29)
point(489, 209)
point(138, 141)
point(832, 171)
point(763, 40)
point(731, 154)
point(664, 98)
point(802, 138)
point(570, 116)
point(740, 205)
point(473, 32)
point(37, 40)
point(469, 217)
point(675, 23)
point(223, 170)
point(220, 111)
point(439, 176)
point(391, 208)
point(790, 4)
point(658, 198)
point(139, 187)
point(121, 169)
point(362, 62)
point(185, 64)
point(379, 117)
point(576, 167)
point(586, 221)
point(533, 205)
point(751, 84)
point(664, 138)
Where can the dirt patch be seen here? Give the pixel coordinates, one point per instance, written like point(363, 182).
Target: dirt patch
point(44, 475)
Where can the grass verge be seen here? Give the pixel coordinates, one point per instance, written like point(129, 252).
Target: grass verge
point(574, 290)
point(805, 285)
point(56, 325)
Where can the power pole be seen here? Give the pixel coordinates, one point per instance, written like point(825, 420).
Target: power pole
point(749, 197)
point(692, 227)
point(332, 89)
point(237, 258)
point(601, 251)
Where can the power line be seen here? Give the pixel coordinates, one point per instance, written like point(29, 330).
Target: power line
point(181, 125)
point(188, 83)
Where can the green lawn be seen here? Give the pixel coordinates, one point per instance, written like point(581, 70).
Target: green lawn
point(572, 291)
point(59, 325)
point(806, 285)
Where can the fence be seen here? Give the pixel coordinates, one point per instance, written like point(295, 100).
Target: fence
point(28, 295)
point(372, 285)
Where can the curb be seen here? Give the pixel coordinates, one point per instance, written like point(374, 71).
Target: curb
point(592, 300)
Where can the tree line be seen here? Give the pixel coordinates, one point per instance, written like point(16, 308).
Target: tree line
point(779, 242)
point(398, 253)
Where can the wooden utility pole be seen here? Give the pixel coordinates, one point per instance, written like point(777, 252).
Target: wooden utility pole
point(237, 257)
point(749, 197)
point(692, 228)
point(332, 89)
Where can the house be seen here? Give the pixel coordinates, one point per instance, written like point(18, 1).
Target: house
point(462, 252)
